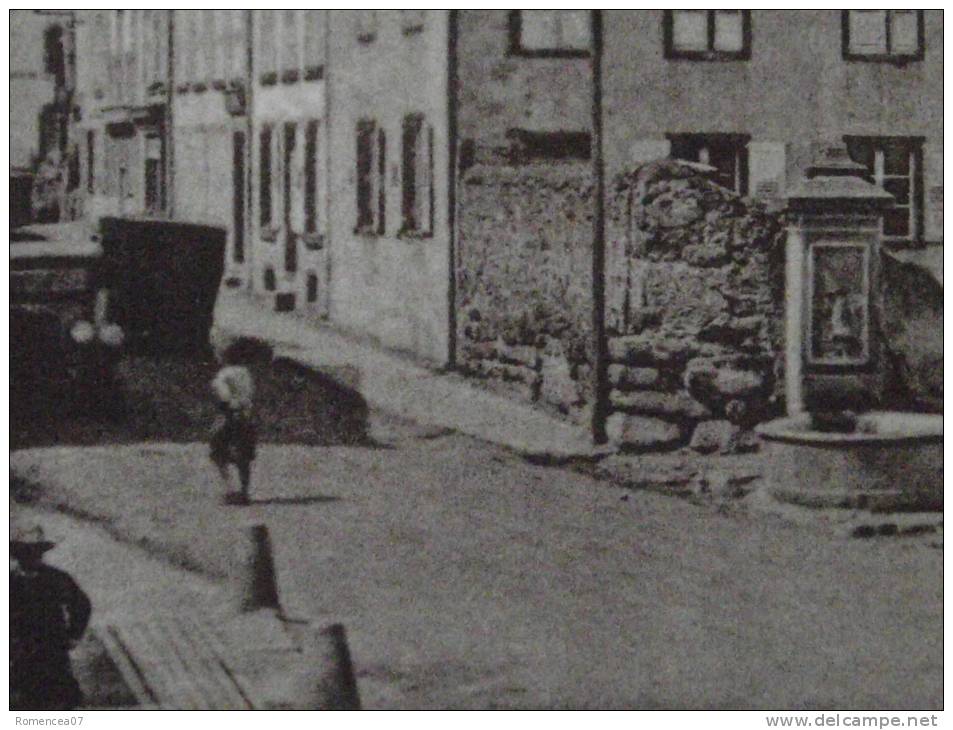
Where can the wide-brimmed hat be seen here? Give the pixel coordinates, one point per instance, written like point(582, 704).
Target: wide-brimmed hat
point(29, 536)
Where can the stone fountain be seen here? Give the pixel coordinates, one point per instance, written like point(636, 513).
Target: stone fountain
point(835, 448)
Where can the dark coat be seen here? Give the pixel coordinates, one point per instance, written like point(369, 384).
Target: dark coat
point(48, 613)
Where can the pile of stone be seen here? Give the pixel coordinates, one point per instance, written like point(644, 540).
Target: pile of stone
point(694, 311)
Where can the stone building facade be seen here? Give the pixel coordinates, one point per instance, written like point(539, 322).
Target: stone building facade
point(425, 178)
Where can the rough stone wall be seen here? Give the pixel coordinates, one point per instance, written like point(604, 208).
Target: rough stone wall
point(694, 310)
point(524, 287)
point(913, 336)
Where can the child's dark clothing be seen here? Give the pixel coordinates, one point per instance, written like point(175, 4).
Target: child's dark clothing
point(233, 437)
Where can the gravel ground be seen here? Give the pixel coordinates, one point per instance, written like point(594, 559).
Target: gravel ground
point(468, 578)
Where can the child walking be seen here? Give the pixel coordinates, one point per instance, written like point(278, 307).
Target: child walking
point(233, 438)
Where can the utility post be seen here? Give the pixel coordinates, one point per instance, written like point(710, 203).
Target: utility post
point(599, 348)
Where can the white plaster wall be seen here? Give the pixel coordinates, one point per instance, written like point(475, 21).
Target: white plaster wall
point(394, 289)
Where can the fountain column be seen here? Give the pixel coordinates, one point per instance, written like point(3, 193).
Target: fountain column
point(833, 359)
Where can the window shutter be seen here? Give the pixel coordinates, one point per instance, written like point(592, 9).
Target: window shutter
point(311, 177)
point(425, 189)
point(381, 182)
point(265, 174)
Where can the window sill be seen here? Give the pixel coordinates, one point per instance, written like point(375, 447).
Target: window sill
point(410, 234)
point(521, 52)
point(895, 60)
point(367, 232)
point(312, 241)
point(715, 56)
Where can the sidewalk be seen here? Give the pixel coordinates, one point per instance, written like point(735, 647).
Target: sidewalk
point(394, 385)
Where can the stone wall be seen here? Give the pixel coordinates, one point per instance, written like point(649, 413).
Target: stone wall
point(524, 288)
point(694, 310)
point(913, 336)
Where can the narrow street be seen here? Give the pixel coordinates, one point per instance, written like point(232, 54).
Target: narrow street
point(468, 578)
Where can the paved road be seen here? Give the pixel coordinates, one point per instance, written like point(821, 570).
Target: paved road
point(468, 578)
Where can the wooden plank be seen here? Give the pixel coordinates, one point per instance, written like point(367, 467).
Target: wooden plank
point(154, 666)
point(176, 662)
point(128, 670)
point(213, 640)
point(185, 694)
point(217, 690)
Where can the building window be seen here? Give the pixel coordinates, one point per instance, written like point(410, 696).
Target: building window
point(311, 177)
point(267, 46)
point(550, 32)
point(896, 165)
point(366, 25)
point(707, 35)
point(528, 146)
point(90, 162)
point(417, 191)
point(287, 194)
point(727, 153)
point(882, 35)
point(412, 21)
point(314, 44)
point(291, 27)
point(371, 164)
point(265, 174)
point(154, 192)
point(238, 197)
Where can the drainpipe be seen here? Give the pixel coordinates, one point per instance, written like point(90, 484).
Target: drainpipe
point(599, 346)
point(250, 239)
point(452, 27)
point(169, 131)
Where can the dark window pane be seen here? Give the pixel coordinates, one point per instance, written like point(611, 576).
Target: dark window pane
point(409, 177)
point(862, 153)
point(364, 186)
point(238, 195)
point(899, 188)
point(896, 160)
point(311, 177)
point(897, 222)
point(264, 149)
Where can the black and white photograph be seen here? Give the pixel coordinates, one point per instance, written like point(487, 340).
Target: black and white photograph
point(477, 359)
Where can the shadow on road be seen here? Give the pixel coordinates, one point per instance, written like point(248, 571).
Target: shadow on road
point(167, 398)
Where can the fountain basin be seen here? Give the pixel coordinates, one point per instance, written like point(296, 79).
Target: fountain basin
point(893, 461)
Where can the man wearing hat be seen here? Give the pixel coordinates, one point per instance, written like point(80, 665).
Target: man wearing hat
point(48, 614)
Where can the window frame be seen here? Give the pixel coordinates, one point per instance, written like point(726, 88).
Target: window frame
point(711, 54)
point(913, 147)
point(516, 47)
point(371, 215)
point(739, 141)
point(416, 135)
point(888, 57)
